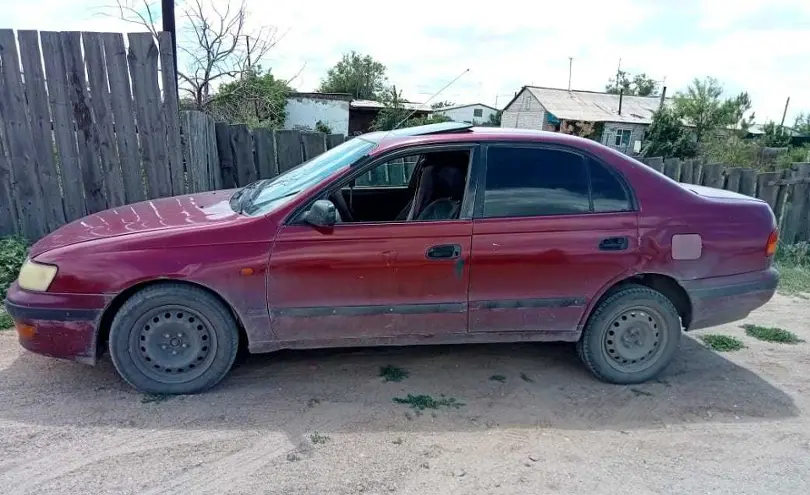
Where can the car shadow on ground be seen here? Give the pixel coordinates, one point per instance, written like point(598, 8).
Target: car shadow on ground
point(500, 386)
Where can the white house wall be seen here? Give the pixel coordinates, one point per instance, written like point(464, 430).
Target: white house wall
point(524, 113)
point(467, 114)
point(612, 128)
point(304, 113)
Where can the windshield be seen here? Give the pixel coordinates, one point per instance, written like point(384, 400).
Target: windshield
point(262, 196)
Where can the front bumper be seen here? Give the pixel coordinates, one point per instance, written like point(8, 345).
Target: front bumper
point(720, 300)
point(57, 325)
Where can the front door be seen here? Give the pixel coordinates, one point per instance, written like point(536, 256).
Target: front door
point(369, 280)
point(554, 228)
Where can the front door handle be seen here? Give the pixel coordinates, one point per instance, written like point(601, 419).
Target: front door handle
point(614, 244)
point(443, 252)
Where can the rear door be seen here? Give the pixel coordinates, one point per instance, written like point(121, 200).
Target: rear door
point(552, 227)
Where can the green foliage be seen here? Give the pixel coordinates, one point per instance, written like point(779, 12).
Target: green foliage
point(498, 378)
point(802, 124)
point(795, 154)
point(13, 251)
point(793, 261)
point(5, 320)
point(731, 149)
point(258, 99)
point(638, 85)
point(321, 127)
point(422, 402)
point(771, 334)
point(395, 114)
point(526, 378)
point(358, 75)
point(668, 137)
point(775, 136)
point(722, 343)
point(318, 438)
point(494, 119)
point(393, 373)
point(441, 104)
point(702, 108)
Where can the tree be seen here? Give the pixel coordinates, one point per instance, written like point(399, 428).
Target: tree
point(494, 119)
point(441, 104)
point(639, 85)
point(702, 108)
point(802, 124)
point(394, 114)
point(358, 75)
point(668, 137)
point(578, 128)
point(257, 99)
point(775, 136)
point(216, 47)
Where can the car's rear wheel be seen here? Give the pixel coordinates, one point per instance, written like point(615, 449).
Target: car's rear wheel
point(173, 339)
point(631, 335)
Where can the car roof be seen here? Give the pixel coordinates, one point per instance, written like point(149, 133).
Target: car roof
point(461, 132)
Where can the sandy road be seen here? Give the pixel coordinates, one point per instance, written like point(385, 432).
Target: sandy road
point(734, 423)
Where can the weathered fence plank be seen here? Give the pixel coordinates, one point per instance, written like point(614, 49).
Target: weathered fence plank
point(656, 163)
point(733, 177)
point(748, 182)
point(794, 224)
point(687, 171)
point(333, 140)
point(314, 143)
point(288, 149)
point(9, 224)
point(672, 168)
point(40, 125)
point(196, 169)
point(211, 151)
point(67, 160)
point(781, 197)
point(101, 103)
point(143, 69)
point(171, 113)
point(713, 175)
point(767, 192)
point(265, 153)
point(86, 129)
point(242, 145)
point(129, 161)
point(25, 186)
point(225, 152)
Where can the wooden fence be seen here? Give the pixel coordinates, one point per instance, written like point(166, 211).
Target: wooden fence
point(87, 122)
point(786, 191)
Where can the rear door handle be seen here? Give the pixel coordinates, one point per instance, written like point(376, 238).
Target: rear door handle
point(614, 244)
point(443, 252)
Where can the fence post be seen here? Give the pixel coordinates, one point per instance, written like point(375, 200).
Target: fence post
point(288, 149)
point(733, 179)
point(767, 192)
point(748, 182)
point(795, 224)
point(672, 168)
point(314, 144)
point(713, 175)
point(242, 146)
point(656, 163)
point(226, 164)
point(687, 167)
point(333, 140)
point(265, 153)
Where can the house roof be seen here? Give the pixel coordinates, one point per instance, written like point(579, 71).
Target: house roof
point(465, 106)
point(376, 105)
point(594, 106)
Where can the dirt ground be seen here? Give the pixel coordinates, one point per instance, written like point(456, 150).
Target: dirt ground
point(325, 422)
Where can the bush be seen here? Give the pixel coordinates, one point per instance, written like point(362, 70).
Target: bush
point(13, 251)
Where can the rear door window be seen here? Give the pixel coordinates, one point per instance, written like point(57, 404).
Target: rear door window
point(607, 192)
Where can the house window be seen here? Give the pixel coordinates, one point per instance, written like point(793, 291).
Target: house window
point(478, 112)
point(622, 137)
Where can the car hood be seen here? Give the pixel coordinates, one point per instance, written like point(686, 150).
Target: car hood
point(156, 214)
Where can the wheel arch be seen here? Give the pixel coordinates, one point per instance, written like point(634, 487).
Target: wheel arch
point(107, 316)
point(664, 284)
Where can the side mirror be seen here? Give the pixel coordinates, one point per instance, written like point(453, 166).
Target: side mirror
point(321, 214)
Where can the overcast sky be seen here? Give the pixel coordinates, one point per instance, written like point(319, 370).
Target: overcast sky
point(755, 45)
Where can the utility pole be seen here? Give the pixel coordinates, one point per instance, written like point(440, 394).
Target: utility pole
point(247, 39)
point(255, 103)
point(570, 65)
point(167, 15)
point(618, 73)
point(784, 113)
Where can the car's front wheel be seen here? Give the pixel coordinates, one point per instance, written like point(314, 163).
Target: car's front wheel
point(173, 339)
point(631, 335)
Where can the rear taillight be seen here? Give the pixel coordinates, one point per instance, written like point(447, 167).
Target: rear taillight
point(773, 239)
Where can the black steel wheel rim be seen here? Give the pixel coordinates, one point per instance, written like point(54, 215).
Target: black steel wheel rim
point(634, 339)
point(173, 344)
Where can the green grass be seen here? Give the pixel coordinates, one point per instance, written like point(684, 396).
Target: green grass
point(317, 438)
point(526, 378)
point(498, 378)
point(5, 320)
point(793, 262)
point(422, 402)
point(13, 251)
point(771, 334)
point(393, 373)
point(722, 343)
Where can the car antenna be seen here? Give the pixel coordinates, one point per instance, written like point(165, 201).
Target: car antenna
point(428, 101)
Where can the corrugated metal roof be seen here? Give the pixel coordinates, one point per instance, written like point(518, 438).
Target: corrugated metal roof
point(377, 105)
point(591, 106)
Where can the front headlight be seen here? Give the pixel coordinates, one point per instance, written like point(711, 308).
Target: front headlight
point(36, 276)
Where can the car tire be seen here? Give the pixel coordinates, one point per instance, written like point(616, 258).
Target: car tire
point(631, 336)
point(173, 338)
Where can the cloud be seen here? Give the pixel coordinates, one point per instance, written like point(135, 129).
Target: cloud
point(753, 45)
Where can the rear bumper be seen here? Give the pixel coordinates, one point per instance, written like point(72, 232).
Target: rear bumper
point(720, 300)
point(57, 325)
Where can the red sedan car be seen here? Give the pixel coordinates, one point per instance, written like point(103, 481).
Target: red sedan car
point(426, 235)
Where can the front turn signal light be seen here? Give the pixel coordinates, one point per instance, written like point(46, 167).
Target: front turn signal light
point(773, 239)
point(35, 276)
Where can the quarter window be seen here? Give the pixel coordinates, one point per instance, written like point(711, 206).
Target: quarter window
point(522, 182)
point(607, 193)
